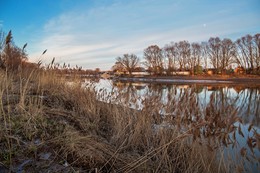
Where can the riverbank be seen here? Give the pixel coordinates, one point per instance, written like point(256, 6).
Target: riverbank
point(49, 126)
point(254, 80)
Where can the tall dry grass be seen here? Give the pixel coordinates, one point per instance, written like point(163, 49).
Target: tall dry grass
point(50, 124)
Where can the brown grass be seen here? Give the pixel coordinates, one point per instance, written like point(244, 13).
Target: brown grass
point(41, 113)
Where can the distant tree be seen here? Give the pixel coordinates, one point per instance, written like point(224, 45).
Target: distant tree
point(214, 52)
point(248, 52)
point(154, 59)
point(129, 62)
point(97, 70)
point(257, 50)
point(184, 54)
point(118, 67)
point(228, 51)
point(195, 58)
point(204, 55)
point(171, 53)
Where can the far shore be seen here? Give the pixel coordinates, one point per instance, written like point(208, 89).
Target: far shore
point(247, 80)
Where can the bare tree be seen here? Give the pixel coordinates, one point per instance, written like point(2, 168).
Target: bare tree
point(228, 51)
point(214, 52)
point(241, 58)
point(246, 53)
point(184, 54)
point(257, 50)
point(129, 62)
point(204, 54)
point(117, 67)
point(154, 59)
point(170, 52)
point(97, 70)
point(195, 58)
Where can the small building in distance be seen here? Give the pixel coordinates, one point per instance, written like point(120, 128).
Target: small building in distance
point(240, 70)
point(140, 72)
point(211, 71)
point(180, 73)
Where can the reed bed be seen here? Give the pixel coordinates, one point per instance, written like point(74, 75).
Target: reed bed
point(51, 125)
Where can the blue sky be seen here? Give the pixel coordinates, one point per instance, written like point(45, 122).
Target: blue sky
point(92, 33)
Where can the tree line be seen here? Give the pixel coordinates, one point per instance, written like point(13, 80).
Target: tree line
point(221, 55)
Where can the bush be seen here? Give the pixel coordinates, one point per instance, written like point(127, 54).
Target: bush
point(198, 70)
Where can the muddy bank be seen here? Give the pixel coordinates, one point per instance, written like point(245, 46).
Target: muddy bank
point(244, 80)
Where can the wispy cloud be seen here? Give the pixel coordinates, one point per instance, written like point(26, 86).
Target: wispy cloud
point(95, 37)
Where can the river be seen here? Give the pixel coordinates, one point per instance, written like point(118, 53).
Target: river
point(230, 113)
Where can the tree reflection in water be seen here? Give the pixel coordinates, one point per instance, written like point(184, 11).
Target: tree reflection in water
point(219, 115)
point(194, 100)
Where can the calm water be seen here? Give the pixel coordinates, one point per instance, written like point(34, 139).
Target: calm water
point(231, 112)
point(245, 100)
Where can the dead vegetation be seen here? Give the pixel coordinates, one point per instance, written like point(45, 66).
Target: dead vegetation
point(50, 125)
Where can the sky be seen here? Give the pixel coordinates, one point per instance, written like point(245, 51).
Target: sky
point(92, 33)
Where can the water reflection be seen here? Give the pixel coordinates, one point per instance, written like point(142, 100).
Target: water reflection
point(223, 100)
point(219, 115)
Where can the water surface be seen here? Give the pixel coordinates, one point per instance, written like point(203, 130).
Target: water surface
point(225, 115)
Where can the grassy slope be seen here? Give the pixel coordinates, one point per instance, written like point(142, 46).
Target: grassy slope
point(48, 125)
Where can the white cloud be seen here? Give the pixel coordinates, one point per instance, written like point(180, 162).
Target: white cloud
point(97, 36)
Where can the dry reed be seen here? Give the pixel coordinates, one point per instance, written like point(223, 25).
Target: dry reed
point(41, 112)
